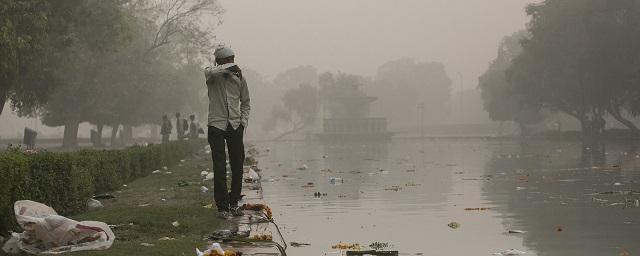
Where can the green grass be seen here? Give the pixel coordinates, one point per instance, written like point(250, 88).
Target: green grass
point(147, 224)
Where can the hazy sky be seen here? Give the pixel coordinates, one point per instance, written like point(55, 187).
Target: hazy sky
point(358, 35)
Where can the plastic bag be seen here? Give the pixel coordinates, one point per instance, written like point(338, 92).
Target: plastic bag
point(46, 232)
point(251, 176)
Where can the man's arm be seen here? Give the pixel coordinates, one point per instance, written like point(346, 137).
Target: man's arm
point(245, 106)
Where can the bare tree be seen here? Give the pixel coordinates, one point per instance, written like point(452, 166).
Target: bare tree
point(187, 22)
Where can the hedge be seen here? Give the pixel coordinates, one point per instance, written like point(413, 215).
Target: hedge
point(65, 181)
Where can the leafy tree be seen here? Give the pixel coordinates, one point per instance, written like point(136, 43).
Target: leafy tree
point(498, 97)
point(23, 31)
point(581, 59)
point(294, 77)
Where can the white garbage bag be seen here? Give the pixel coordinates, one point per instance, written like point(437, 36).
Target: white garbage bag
point(251, 176)
point(46, 232)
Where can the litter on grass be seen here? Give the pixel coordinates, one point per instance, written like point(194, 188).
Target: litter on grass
point(94, 204)
point(46, 232)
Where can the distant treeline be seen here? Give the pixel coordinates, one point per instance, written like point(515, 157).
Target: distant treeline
point(580, 58)
point(108, 62)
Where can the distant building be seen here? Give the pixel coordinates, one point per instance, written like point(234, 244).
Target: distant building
point(345, 118)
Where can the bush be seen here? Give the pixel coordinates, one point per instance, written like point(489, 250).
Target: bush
point(65, 181)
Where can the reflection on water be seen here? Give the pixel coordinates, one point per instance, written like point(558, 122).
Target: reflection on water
point(567, 187)
point(406, 193)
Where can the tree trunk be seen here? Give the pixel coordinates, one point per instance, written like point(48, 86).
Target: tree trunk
point(70, 139)
point(127, 134)
point(632, 127)
point(114, 135)
point(99, 127)
point(3, 100)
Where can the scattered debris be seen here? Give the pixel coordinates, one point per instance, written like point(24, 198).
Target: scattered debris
point(204, 189)
point(477, 209)
point(335, 180)
point(166, 238)
point(103, 196)
point(215, 250)
point(263, 237)
point(622, 192)
point(379, 245)
point(393, 188)
point(510, 252)
point(345, 246)
point(411, 184)
point(454, 225)
point(318, 194)
point(94, 204)
point(175, 224)
point(296, 244)
point(251, 176)
point(259, 207)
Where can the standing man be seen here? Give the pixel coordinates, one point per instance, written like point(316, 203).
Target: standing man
point(193, 128)
point(228, 117)
point(165, 130)
point(180, 124)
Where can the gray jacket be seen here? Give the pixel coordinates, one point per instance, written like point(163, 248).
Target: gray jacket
point(228, 97)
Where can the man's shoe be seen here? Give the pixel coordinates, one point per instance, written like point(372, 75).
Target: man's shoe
point(224, 215)
point(236, 211)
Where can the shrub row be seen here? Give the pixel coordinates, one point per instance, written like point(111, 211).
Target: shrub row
point(65, 181)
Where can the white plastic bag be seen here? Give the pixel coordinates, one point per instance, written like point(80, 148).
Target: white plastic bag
point(215, 247)
point(46, 232)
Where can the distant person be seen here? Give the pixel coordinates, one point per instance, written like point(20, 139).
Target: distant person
point(181, 127)
point(166, 128)
point(228, 117)
point(194, 128)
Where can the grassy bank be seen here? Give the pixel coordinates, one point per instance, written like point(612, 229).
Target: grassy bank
point(65, 181)
point(142, 216)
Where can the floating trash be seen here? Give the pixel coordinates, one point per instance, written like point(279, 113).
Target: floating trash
point(454, 225)
point(346, 246)
point(510, 252)
point(297, 244)
point(335, 180)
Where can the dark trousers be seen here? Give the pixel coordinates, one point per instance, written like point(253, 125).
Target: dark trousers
point(233, 138)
